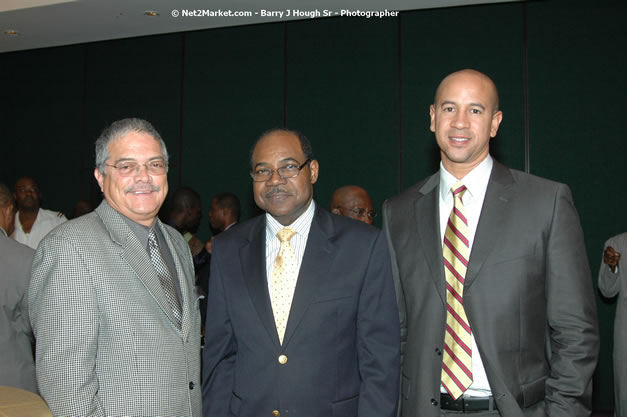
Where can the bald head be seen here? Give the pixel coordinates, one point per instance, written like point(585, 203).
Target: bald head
point(353, 201)
point(470, 76)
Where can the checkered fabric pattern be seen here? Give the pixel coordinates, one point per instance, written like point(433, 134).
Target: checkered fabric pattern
point(107, 344)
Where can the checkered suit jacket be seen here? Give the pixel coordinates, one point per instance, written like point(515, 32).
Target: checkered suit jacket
point(107, 344)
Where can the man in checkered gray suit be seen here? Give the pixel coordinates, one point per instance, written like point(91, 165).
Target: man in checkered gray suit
point(112, 299)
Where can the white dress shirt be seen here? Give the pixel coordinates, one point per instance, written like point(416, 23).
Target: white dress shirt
point(476, 182)
point(298, 242)
point(46, 221)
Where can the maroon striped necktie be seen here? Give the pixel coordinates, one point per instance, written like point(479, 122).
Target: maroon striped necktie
point(457, 358)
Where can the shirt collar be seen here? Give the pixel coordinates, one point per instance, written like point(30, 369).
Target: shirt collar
point(273, 226)
point(476, 181)
point(4, 232)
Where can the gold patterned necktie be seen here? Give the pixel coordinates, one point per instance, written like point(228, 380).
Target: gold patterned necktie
point(457, 357)
point(284, 276)
point(165, 277)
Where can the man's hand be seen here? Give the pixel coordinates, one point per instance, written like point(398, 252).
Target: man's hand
point(611, 258)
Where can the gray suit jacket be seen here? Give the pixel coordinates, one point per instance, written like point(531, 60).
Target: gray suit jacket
point(615, 285)
point(17, 365)
point(527, 287)
point(107, 343)
point(340, 354)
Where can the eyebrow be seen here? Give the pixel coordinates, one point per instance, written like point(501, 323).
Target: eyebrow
point(288, 159)
point(154, 158)
point(481, 106)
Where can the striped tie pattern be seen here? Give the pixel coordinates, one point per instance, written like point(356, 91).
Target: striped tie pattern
point(165, 277)
point(457, 357)
point(284, 277)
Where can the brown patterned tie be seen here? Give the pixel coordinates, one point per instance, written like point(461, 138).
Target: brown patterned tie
point(284, 277)
point(457, 358)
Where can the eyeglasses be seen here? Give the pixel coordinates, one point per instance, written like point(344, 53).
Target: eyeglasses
point(263, 174)
point(360, 212)
point(130, 168)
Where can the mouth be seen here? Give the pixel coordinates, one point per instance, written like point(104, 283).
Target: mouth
point(459, 139)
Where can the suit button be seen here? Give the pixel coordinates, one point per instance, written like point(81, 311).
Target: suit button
point(276, 413)
point(438, 351)
point(282, 361)
point(191, 385)
point(434, 402)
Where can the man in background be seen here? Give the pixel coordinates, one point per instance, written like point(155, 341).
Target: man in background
point(353, 201)
point(32, 222)
point(613, 283)
point(17, 365)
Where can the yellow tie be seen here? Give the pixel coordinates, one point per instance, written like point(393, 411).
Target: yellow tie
point(457, 357)
point(284, 276)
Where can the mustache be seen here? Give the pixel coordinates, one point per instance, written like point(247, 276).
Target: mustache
point(142, 187)
point(275, 190)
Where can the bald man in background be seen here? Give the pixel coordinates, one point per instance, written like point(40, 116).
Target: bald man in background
point(353, 201)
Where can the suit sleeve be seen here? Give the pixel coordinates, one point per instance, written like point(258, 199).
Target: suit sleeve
point(609, 282)
point(220, 348)
point(571, 312)
point(378, 338)
point(64, 315)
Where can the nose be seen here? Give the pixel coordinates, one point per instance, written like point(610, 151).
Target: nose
point(460, 121)
point(141, 173)
point(275, 178)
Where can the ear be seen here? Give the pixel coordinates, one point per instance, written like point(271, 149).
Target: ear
point(99, 177)
point(496, 122)
point(432, 117)
point(313, 169)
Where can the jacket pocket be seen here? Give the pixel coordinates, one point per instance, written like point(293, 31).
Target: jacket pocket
point(236, 402)
point(346, 408)
point(405, 386)
point(533, 392)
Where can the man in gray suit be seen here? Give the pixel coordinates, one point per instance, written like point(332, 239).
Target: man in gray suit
point(495, 294)
point(612, 282)
point(112, 297)
point(17, 365)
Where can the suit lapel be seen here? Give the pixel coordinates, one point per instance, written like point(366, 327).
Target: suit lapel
point(493, 213)
point(316, 261)
point(428, 223)
point(253, 262)
point(133, 252)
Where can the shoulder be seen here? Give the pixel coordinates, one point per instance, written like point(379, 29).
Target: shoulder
point(80, 230)
point(242, 232)
point(619, 240)
point(14, 250)
point(52, 216)
point(402, 203)
point(343, 230)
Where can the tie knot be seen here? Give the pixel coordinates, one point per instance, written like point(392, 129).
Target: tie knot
point(285, 234)
point(458, 189)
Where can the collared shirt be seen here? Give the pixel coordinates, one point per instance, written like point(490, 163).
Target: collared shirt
point(141, 232)
point(476, 182)
point(301, 225)
point(46, 221)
